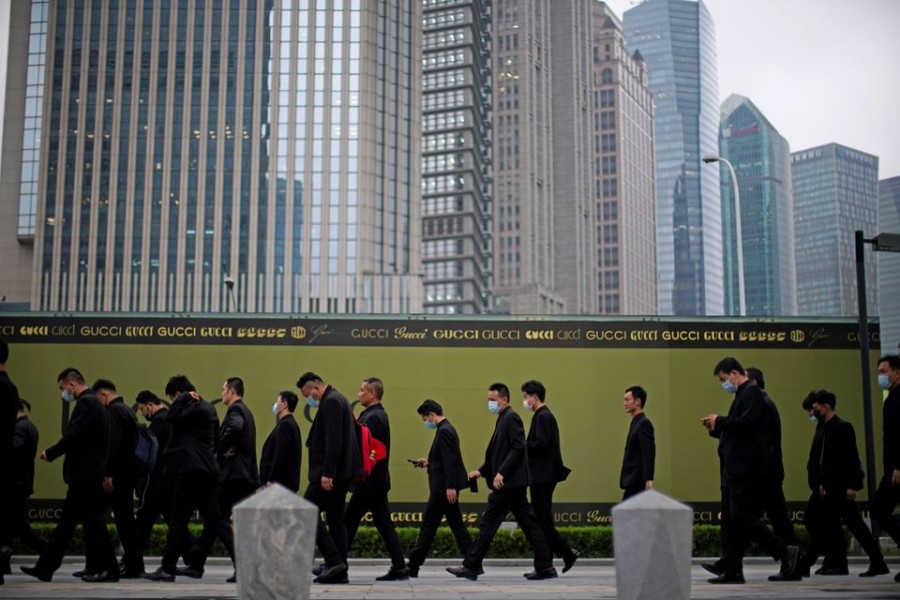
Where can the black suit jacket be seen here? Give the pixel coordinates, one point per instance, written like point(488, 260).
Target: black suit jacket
point(376, 419)
point(9, 408)
point(120, 461)
point(639, 461)
point(84, 443)
point(161, 429)
point(545, 464)
point(237, 446)
point(836, 465)
point(282, 455)
point(445, 465)
point(332, 442)
point(744, 445)
point(506, 452)
point(25, 445)
point(773, 427)
point(891, 432)
point(193, 436)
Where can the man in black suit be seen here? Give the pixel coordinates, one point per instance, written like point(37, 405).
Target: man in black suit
point(446, 477)
point(506, 470)
point(888, 495)
point(546, 468)
point(836, 476)
point(9, 404)
point(639, 462)
point(156, 492)
point(84, 446)
point(238, 474)
point(120, 475)
point(191, 457)
point(746, 465)
point(282, 454)
point(371, 495)
point(334, 460)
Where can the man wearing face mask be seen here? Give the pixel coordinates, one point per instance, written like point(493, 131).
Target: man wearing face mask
point(506, 470)
point(334, 460)
point(156, 494)
point(84, 447)
point(888, 495)
point(446, 477)
point(746, 461)
point(282, 454)
point(546, 468)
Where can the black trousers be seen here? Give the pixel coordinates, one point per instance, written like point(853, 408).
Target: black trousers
point(629, 492)
point(366, 499)
point(156, 500)
point(228, 494)
point(331, 541)
point(193, 491)
point(501, 502)
point(436, 509)
point(17, 526)
point(775, 507)
point(743, 501)
point(837, 509)
point(542, 503)
point(886, 499)
point(83, 504)
point(815, 518)
point(122, 501)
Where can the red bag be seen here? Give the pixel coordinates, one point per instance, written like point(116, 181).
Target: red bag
point(372, 450)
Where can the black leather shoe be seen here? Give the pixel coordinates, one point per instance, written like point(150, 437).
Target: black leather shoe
point(569, 561)
point(713, 568)
point(126, 573)
point(37, 573)
point(728, 578)
point(81, 573)
point(897, 577)
point(332, 574)
point(317, 570)
point(834, 571)
point(159, 575)
point(5, 556)
point(232, 579)
point(782, 577)
point(395, 574)
point(463, 572)
point(189, 572)
point(876, 570)
point(412, 569)
point(102, 577)
point(542, 574)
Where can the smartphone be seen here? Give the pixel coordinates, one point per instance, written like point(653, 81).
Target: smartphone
point(413, 461)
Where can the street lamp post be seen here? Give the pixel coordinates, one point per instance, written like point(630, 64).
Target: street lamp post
point(229, 284)
point(714, 158)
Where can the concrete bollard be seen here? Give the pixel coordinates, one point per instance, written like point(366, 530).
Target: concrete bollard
point(274, 544)
point(652, 543)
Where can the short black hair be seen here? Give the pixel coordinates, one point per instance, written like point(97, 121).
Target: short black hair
point(307, 377)
point(533, 387)
point(824, 397)
point(179, 384)
point(892, 360)
point(430, 406)
point(4, 352)
point(147, 397)
point(104, 384)
point(757, 376)
point(727, 365)
point(377, 386)
point(235, 384)
point(70, 374)
point(808, 401)
point(290, 398)
point(638, 393)
point(501, 390)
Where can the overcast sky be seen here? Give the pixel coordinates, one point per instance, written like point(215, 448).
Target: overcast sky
point(820, 70)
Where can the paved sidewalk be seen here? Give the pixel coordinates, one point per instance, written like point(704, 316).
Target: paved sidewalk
point(589, 580)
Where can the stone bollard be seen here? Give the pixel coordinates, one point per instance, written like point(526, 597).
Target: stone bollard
point(652, 543)
point(274, 543)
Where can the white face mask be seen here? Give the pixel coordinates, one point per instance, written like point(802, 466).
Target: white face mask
point(526, 405)
point(275, 408)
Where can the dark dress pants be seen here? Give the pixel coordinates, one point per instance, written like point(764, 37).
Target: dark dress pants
point(193, 491)
point(776, 509)
point(436, 509)
point(542, 503)
point(332, 541)
point(886, 499)
point(841, 509)
point(122, 501)
point(368, 498)
point(83, 504)
point(822, 529)
point(629, 492)
point(18, 526)
point(501, 502)
point(228, 494)
point(155, 501)
point(744, 508)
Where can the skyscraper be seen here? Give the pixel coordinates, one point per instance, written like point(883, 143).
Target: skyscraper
point(762, 160)
point(623, 172)
point(456, 162)
point(677, 40)
point(888, 265)
point(835, 193)
point(250, 155)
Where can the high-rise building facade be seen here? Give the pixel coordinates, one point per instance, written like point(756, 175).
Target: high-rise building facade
point(835, 193)
point(761, 158)
point(456, 156)
point(888, 265)
point(623, 173)
point(249, 155)
point(677, 40)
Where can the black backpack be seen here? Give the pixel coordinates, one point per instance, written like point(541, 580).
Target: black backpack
point(146, 448)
